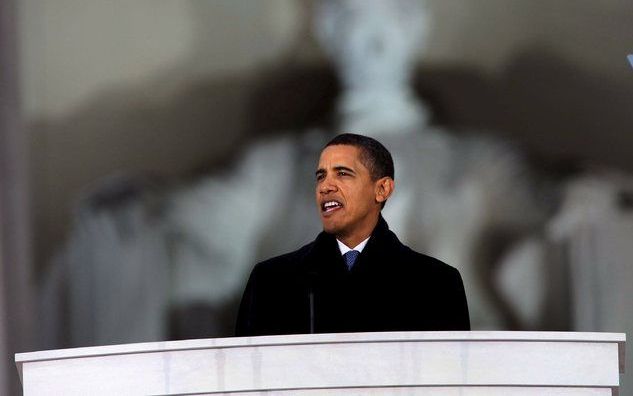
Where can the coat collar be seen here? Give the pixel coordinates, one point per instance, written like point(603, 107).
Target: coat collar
point(325, 254)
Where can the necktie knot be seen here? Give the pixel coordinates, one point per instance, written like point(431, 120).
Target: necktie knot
point(350, 258)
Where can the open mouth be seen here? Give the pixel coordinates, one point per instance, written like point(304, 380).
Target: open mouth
point(330, 206)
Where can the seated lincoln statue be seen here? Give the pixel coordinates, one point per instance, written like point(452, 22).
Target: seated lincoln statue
point(356, 275)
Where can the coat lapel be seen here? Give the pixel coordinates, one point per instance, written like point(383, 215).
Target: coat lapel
point(325, 257)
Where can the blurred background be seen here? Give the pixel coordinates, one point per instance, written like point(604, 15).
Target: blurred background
point(152, 151)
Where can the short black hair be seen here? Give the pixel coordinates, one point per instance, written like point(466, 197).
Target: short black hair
point(373, 154)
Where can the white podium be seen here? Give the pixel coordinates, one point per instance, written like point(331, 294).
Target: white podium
point(400, 363)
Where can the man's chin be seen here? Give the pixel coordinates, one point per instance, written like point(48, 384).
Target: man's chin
point(330, 230)
point(331, 227)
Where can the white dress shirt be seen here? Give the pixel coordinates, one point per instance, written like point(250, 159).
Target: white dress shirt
point(359, 248)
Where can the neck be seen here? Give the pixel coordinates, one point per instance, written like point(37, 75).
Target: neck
point(352, 239)
point(379, 114)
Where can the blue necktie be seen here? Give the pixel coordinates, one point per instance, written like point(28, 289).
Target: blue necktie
point(350, 258)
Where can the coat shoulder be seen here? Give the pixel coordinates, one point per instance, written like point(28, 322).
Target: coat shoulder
point(284, 263)
point(413, 262)
point(422, 263)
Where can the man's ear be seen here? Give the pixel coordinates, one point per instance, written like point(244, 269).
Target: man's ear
point(384, 189)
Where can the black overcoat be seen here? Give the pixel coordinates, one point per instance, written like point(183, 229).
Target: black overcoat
point(390, 288)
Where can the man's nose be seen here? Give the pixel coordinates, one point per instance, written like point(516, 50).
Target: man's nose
point(326, 186)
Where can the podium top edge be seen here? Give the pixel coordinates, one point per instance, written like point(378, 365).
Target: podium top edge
point(298, 339)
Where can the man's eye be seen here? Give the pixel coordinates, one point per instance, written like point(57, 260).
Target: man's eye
point(342, 173)
point(319, 177)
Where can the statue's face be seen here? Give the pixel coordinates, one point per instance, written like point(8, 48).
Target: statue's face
point(371, 41)
point(347, 198)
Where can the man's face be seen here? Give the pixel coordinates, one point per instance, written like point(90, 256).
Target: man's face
point(345, 193)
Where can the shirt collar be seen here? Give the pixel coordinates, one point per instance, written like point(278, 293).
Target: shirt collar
point(359, 248)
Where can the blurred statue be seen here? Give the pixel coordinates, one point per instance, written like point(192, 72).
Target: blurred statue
point(594, 228)
point(463, 198)
point(111, 283)
point(374, 45)
point(594, 225)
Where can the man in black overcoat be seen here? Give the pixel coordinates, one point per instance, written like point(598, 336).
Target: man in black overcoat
point(356, 275)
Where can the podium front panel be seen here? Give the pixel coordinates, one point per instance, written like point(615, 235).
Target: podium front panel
point(419, 363)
